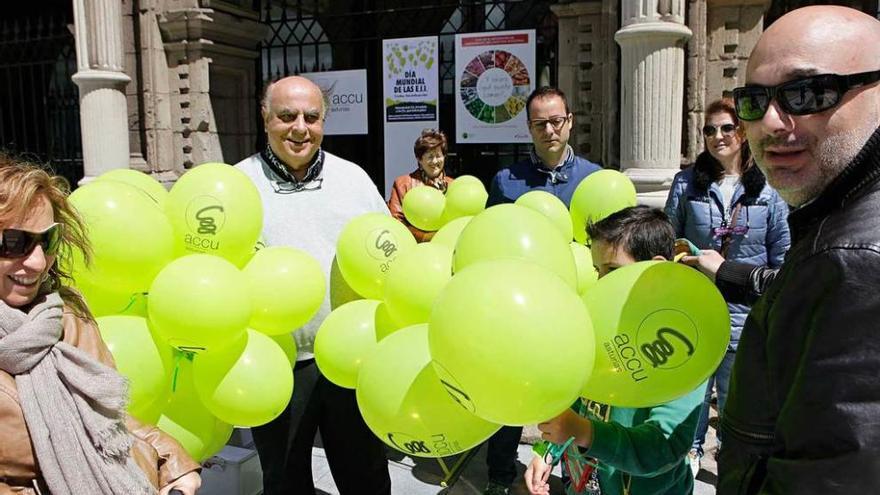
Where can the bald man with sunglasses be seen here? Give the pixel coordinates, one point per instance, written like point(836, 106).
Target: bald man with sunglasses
point(803, 411)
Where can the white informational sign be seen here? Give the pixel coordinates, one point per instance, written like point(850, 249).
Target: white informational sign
point(346, 94)
point(494, 75)
point(410, 81)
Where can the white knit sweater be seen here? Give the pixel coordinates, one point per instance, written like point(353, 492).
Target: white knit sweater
point(312, 220)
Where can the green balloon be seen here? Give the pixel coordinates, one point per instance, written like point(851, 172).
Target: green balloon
point(512, 231)
point(144, 362)
point(106, 301)
point(511, 341)
point(597, 196)
point(152, 412)
point(551, 207)
point(199, 302)
point(288, 345)
point(366, 249)
point(345, 338)
point(131, 237)
point(215, 209)
point(403, 402)
point(287, 288)
point(663, 328)
point(423, 207)
point(385, 325)
point(220, 437)
point(414, 281)
point(583, 262)
point(465, 196)
point(448, 234)
point(189, 422)
point(246, 384)
point(148, 185)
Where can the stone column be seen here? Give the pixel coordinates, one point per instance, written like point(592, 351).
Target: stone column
point(101, 82)
point(652, 39)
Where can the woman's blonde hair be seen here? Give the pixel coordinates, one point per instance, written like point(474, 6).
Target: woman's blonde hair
point(21, 183)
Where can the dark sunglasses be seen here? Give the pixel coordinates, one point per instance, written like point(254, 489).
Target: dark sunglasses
point(17, 243)
point(727, 130)
point(799, 97)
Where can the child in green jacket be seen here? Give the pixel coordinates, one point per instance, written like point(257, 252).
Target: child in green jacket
point(616, 450)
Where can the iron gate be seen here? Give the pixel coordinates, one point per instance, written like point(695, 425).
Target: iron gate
point(39, 103)
point(323, 35)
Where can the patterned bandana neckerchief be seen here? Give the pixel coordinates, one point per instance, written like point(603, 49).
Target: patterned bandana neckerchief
point(283, 172)
point(438, 182)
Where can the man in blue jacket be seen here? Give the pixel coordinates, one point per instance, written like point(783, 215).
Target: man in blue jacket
point(552, 166)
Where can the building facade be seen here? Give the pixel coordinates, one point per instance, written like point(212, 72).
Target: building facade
point(163, 85)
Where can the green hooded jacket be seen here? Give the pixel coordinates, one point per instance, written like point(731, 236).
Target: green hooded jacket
point(640, 451)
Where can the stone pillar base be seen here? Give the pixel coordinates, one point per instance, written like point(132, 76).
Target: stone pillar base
point(652, 184)
point(102, 108)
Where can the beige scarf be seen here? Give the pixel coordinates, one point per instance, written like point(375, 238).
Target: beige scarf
point(73, 405)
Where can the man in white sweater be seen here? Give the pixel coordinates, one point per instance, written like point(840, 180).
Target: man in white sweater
point(308, 196)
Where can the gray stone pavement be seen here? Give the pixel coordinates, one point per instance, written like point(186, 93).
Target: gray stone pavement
point(414, 476)
point(417, 476)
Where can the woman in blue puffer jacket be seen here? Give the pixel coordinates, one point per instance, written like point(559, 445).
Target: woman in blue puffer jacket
point(723, 203)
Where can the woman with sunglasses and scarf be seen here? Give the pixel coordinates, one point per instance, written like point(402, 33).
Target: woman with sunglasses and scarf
point(723, 203)
point(63, 427)
point(430, 151)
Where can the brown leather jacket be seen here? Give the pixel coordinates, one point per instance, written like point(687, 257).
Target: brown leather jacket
point(159, 455)
point(402, 185)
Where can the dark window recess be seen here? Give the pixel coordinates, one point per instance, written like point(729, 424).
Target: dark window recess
point(39, 103)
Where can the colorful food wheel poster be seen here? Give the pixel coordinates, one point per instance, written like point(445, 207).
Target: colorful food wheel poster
point(495, 73)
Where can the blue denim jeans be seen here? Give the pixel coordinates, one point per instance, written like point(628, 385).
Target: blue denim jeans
point(720, 379)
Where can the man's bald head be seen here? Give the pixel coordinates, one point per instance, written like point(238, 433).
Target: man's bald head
point(293, 115)
point(295, 83)
point(836, 39)
point(802, 154)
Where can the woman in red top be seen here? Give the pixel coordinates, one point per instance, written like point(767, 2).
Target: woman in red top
point(430, 151)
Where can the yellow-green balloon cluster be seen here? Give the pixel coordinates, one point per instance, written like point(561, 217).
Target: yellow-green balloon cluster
point(197, 320)
point(500, 320)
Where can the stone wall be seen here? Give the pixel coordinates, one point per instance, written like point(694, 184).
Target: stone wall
point(192, 95)
point(725, 31)
point(589, 75)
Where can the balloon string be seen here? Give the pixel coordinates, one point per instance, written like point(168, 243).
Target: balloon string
point(178, 355)
point(133, 300)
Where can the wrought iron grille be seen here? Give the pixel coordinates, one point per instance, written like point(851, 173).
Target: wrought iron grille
point(322, 35)
point(39, 103)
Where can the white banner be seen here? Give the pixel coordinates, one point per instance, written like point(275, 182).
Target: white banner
point(346, 94)
point(410, 76)
point(494, 75)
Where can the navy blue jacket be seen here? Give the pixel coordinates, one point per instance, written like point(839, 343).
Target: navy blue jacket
point(512, 182)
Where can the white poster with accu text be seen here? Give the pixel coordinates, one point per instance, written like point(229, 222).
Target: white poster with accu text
point(346, 94)
point(494, 75)
point(410, 83)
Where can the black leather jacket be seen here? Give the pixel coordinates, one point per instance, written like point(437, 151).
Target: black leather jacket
point(803, 412)
point(743, 283)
